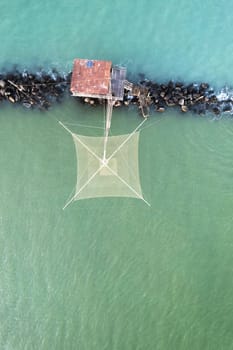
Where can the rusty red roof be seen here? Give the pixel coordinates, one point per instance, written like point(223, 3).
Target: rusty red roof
point(91, 77)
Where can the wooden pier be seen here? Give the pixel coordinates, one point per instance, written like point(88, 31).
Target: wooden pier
point(144, 105)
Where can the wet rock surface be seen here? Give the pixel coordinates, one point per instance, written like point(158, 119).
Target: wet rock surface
point(198, 98)
point(33, 90)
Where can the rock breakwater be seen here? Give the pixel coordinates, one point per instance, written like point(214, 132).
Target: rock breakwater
point(33, 90)
point(41, 89)
point(151, 96)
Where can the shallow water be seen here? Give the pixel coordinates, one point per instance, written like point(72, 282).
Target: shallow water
point(114, 273)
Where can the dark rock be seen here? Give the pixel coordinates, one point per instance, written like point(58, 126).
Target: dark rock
point(163, 87)
point(117, 104)
point(204, 86)
point(184, 91)
point(179, 84)
point(162, 94)
point(196, 95)
point(216, 110)
point(227, 107)
point(170, 85)
point(170, 103)
point(167, 97)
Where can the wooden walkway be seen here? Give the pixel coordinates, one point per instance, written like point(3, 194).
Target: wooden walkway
point(144, 105)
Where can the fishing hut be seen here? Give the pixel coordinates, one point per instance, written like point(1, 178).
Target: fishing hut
point(97, 79)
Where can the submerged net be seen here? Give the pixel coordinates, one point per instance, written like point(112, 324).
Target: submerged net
point(118, 176)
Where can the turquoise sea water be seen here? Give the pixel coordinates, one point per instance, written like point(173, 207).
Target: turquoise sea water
point(114, 273)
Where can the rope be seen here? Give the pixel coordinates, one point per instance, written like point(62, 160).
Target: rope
point(85, 126)
point(107, 125)
point(126, 140)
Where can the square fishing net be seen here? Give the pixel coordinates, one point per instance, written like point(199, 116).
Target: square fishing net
point(115, 176)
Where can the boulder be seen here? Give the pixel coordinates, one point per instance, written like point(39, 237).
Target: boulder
point(204, 86)
point(184, 109)
point(117, 104)
point(170, 85)
point(181, 102)
point(162, 94)
point(11, 99)
point(2, 83)
point(167, 97)
point(227, 107)
point(216, 110)
point(163, 87)
point(160, 109)
point(170, 103)
point(196, 95)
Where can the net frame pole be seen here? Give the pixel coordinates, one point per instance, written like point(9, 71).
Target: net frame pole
point(107, 124)
point(126, 184)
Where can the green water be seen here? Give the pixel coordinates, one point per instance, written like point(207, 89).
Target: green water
point(114, 273)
